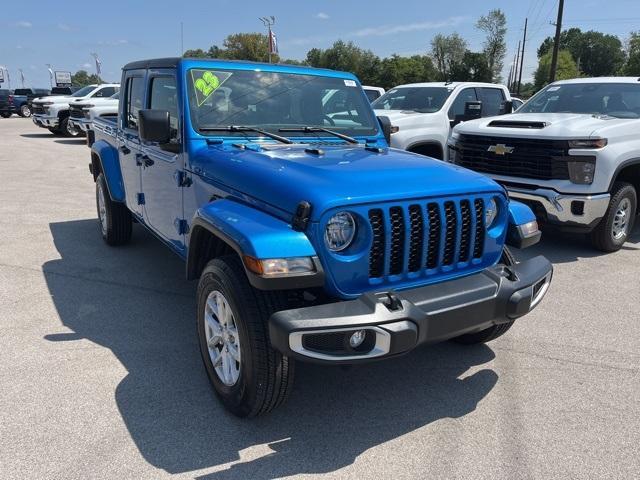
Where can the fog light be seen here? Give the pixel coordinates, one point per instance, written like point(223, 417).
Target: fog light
point(357, 338)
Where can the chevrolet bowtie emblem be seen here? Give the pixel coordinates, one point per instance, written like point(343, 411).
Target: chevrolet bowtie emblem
point(500, 149)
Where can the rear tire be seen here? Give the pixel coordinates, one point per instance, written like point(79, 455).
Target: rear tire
point(262, 378)
point(495, 331)
point(55, 131)
point(114, 218)
point(616, 225)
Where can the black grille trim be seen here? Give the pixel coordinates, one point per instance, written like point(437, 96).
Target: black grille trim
point(465, 233)
point(416, 244)
point(376, 254)
point(478, 244)
point(434, 235)
point(396, 260)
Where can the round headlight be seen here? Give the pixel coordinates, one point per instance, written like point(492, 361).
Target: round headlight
point(340, 231)
point(490, 213)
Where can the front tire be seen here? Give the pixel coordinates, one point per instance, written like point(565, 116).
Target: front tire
point(55, 131)
point(616, 225)
point(114, 218)
point(248, 375)
point(66, 128)
point(495, 331)
point(25, 111)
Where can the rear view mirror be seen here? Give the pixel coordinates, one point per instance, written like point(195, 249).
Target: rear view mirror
point(385, 124)
point(154, 126)
point(472, 110)
point(507, 107)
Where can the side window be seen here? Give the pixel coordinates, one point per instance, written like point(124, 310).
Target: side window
point(457, 107)
point(134, 101)
point(164, 96)
point(105, 92)
point(492, 101)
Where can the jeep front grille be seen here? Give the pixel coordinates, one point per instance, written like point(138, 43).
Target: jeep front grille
point(425, 236)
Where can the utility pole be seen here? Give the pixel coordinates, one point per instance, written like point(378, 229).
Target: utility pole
point(556, 43)
point(524, 40)
point(269, 22)
point(181, 39)
point(516, 63)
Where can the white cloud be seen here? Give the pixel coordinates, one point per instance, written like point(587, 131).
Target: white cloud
point(86, 65)
point(23, 24)
point(322, 16)
point(64, 27)
point(407, 27)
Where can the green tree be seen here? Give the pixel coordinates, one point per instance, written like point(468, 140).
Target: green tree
point(494, 25)
point(596, 54)
point(567, 68)
point(396, 70)
point(447, 52)
point(632, 68)
point(348, 57)
point(238, 46)
point(81, 79)
point(473, 68)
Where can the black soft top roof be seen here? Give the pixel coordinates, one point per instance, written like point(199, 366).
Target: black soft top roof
point(170, 62)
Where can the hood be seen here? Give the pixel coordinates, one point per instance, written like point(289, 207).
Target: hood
point(398, 117)
point(98, 102)
point(558, 125)
point(285, 175)
point(54, 99)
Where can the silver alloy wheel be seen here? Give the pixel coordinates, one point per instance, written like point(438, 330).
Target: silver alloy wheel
point(223, 341)
point(620, 226)
point(102, 209)
point(25, 111)
point(71, 130)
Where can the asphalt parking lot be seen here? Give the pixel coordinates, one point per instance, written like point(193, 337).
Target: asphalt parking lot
point(100, 374)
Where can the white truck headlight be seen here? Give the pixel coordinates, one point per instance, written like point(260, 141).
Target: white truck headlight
point(340, 231)
point(490, 213)
point(581, 171)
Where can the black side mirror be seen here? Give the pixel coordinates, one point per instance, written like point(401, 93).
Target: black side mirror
point(385, 124)
point(154, 126)
point(507, 107)
point(472, 110)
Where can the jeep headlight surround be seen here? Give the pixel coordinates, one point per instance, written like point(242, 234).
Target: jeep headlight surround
point(340, 231)
point(490, 212)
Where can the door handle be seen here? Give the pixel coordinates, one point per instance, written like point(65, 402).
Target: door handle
point(144, 160)
point(124, 149)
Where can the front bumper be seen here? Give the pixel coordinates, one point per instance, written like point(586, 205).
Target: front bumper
point(396, 322)
point(46, 121)
point(583, 211)
point(79, 124)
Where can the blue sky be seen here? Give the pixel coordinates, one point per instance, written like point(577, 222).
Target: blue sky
point(64, 33)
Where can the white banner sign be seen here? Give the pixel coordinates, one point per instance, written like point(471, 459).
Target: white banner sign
point(1, 75)
point(63, 79)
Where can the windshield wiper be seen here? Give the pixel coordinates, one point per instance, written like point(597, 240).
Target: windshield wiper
point(308, 129)
point(242, 128)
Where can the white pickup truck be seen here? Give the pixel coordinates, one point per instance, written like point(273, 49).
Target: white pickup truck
point(53, 112)
point(572, 152)
point(422, 114)
point(83, 113)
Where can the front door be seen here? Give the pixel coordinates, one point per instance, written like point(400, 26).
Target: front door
point(129, 141)
point(162, 165)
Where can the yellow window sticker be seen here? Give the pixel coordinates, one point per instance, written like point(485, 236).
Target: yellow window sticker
point(205, 82)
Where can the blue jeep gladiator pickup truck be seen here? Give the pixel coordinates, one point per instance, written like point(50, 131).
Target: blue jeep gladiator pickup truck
point(312, 240)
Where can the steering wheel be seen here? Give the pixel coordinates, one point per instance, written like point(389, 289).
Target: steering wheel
point(331, 122)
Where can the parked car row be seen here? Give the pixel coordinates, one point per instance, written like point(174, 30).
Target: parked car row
point(54, 112)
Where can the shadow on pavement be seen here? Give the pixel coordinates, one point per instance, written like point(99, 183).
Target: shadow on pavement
point(561, 247)
point(37, 135)
point(72, 141)
point(134, 301)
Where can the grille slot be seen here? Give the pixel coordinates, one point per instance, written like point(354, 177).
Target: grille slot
point(478, 245)
point(376, 254)
point(76, 112)
point(396, 218)
point(425, 237)
point(416, 243)
point(434, 235)
point(465, 232)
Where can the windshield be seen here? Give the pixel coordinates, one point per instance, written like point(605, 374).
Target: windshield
point(83, 92)
point(614, 99)
point(273, 100)
point(419, 99)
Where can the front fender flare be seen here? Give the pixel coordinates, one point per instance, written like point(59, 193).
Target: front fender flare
point(254, 233)
point(110, 166)
point(519, 215)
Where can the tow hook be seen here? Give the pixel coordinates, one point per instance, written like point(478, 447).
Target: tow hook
point(391, 301)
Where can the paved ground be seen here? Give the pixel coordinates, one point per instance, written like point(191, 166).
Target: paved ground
point(100, 376)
